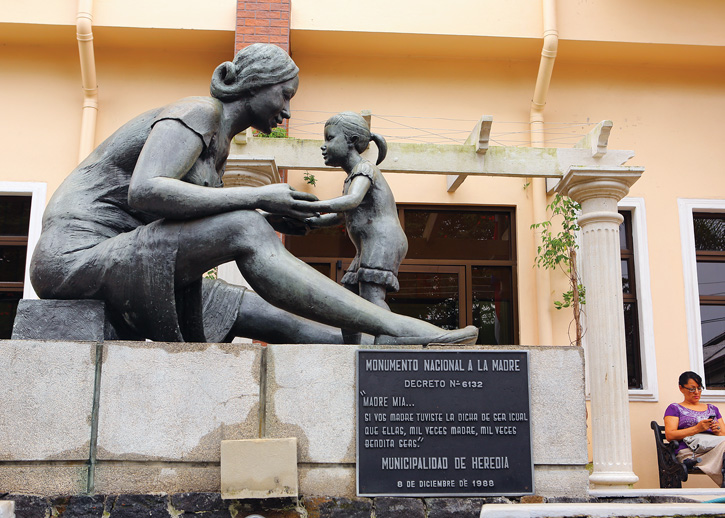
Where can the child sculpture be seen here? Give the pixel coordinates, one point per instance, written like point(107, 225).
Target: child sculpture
point(368, 209)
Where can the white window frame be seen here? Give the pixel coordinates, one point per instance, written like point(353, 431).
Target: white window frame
point(692, 292)
point(37, 191)
point(649, 391)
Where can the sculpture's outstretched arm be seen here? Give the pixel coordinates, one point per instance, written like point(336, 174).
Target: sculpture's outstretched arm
point(169, 153)
point(355, 194)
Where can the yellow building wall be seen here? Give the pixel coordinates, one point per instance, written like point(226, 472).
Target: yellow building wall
point(40, 103)
point(657, 72)
point(41, 95)
point(155, 14)
point(698, 22)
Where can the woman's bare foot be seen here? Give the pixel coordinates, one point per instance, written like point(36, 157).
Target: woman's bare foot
point(464, 336)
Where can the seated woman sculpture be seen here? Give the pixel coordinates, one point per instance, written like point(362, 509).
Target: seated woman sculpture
point(690, 417)
point(143, 217)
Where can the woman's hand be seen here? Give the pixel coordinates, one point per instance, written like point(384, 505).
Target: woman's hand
point(287, 225)
point(705, 425)
point(281, 198)
point(717, 427)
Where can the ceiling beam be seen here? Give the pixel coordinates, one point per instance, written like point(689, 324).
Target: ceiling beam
point(433, 158)
point(478, 138)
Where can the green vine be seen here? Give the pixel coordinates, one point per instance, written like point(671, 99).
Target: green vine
point(559, 251)
point(278, 132)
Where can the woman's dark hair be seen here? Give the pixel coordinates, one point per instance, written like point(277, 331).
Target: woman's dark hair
point(689, 375)
point(256, 66)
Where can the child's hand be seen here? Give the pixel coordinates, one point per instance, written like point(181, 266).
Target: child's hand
point(325, 220)
point(314, 221)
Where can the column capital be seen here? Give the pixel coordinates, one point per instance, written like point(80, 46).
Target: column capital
point(250, 172)
point(582, 183)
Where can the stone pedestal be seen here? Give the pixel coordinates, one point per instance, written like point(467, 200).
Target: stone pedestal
point(598, 190)
point(166, 411)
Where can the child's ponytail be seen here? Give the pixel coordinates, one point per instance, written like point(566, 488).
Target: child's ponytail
point(381, 144)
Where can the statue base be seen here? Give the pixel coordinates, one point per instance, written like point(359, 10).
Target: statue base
point(119, 417)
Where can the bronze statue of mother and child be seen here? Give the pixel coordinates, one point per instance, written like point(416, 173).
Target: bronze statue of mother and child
point(143, 217)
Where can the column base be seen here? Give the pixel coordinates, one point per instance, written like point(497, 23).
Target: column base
point(613, 479)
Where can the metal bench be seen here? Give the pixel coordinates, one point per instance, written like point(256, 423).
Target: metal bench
point(672, 472)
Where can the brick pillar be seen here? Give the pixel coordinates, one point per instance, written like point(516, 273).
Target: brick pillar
point(262, 21)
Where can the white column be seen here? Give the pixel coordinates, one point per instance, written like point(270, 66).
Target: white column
point(598, 190)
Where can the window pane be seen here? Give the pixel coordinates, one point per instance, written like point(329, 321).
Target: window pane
point(322, 242)
point(441, 234)
point(8, 306)
point(713, 344)
point(432, 297)
point(631, 340)
point(12, 263)
point(625, 231)
point(631, 318)
point(625, 277)
point(14, 215)
point(709, 232)
point(493, 305)
point(711, 278)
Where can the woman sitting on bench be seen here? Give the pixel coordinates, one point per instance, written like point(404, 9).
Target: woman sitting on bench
point(691, 417)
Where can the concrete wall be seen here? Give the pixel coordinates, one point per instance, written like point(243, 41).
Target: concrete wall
point(150, 416)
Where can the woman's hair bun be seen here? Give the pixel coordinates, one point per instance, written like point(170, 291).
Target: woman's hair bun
point(255, 66)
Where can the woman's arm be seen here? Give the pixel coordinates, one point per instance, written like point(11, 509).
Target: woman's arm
point(169, 153)
point(718, 426)
point(358, 189)
point(673, 434)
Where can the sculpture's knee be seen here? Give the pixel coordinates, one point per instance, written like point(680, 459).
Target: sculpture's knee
point(251, 233)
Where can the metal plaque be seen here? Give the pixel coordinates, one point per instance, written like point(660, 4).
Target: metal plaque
point(443, 423)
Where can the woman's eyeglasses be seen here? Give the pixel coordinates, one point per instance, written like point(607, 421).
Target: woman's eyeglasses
point(693, 390)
